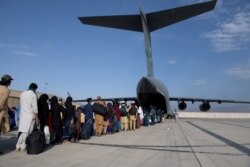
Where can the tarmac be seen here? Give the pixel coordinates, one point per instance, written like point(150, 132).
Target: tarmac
point(187, 142)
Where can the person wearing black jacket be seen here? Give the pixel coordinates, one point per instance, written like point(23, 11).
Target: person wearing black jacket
point(43, 110)
point(57, 123)
point(69, 116)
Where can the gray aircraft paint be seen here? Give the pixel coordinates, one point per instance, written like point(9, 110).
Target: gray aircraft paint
point(148, 48)
point(147, 23)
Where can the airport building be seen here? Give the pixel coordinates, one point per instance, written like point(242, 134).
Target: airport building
point(14, 97)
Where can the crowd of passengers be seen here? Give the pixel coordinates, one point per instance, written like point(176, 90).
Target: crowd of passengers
point(67, 122)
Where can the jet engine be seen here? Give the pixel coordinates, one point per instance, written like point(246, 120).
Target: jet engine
point(182, 105)
point(205, 106)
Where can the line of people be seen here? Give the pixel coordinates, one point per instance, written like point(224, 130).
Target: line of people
point(66, 122)
point(43, 112)
point(112, 117)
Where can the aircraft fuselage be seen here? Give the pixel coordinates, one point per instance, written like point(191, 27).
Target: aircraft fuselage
point(151, 91)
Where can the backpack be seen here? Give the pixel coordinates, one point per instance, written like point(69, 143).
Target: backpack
point(133, 110)
point(123, 111)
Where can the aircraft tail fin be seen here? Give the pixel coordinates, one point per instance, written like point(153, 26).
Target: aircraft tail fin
point(147, 23)
point(147, 40)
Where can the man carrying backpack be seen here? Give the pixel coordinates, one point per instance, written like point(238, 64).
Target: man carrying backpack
point(124, 118)
point(132, 115)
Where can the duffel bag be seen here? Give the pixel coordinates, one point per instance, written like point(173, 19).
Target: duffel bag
point(99, 109)
point(35, 142)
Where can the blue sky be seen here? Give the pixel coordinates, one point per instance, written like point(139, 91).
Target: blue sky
point(44, 42)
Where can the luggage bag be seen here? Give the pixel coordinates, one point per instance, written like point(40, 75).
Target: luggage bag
point(35, 142)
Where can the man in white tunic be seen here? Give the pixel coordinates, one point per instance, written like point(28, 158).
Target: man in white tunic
point(28, 115)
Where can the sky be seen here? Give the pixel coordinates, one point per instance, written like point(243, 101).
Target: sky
point(207, 56)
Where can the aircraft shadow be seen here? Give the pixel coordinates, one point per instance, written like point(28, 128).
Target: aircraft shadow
point(231, 124)
point(228, 142)
point(163, 148)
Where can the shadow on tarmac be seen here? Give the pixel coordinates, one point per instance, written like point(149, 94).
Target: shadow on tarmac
point(8, 143)
point(231, 143)
point(164, 148)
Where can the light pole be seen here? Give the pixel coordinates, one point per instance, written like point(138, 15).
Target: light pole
point(46, 83)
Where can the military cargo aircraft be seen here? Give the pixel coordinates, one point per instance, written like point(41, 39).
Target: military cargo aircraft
point(151, 91)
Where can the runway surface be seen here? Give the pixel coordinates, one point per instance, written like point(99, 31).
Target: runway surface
point(189, 143)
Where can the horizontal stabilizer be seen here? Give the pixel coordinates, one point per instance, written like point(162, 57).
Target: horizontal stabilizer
point(126, 22)
point(165, 18)
point(155, 20)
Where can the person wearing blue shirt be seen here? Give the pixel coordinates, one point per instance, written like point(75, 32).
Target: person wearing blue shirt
point(88, 112)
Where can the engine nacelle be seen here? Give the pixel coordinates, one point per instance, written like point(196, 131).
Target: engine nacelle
point(182, 105)
point(205, 106)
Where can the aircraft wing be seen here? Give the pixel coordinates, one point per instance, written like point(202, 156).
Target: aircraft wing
point(155, 20)
point(183, 99)
point(111, 99)
point(204, 106)
point(178, 99)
